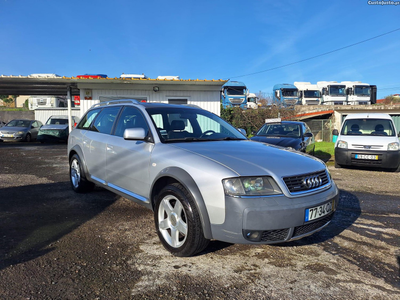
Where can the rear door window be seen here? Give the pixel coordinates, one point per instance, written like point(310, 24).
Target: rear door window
point(105, 120)
point(88, 119)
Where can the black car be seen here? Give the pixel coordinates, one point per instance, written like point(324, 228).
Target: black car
point(293, 134)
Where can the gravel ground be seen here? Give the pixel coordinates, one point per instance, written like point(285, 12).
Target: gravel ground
point(56, 244)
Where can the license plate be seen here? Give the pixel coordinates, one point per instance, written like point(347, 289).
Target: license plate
point(318, 211)
point(7, 135)
point(366, 156)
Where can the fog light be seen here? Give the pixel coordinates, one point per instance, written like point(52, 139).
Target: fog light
point(253, 235)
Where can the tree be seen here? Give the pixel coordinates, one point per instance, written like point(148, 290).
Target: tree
point(264, 98)
point(8, 100)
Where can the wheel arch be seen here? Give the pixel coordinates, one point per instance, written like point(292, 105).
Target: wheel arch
point(177, 175)
point(78, 151)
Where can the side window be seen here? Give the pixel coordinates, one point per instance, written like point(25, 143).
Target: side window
point(105, 120)
point(130, 117)
point(88, 119)
point(35, 124)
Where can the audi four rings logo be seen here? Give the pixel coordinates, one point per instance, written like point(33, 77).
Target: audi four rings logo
point(312, 181)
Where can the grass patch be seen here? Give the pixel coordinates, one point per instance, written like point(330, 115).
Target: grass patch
point(13, 109)
point(324, 150)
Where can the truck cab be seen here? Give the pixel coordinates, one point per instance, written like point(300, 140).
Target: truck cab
point(333, 92)
point(252, 101)
point(285, 95)
point(234, 94)
point(359, 93)
point(309, 94)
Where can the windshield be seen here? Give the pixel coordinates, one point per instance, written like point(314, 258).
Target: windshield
point(380, 127)
point(18, 123)
point(289, 93)
point(337, 90)
point(312, 94)
point(281, 130)
point(56, 121)
point(362, 90)
point(235, 91)
point(188, 124)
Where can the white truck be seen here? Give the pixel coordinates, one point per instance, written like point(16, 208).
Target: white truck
point(309, 94)
point(35, 102)
point(252, 101)
point(357, 92)
point(333, 92)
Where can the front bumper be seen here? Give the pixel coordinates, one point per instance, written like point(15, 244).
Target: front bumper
point(51, 138)
point(276, 219)
point(12, 139)
point(386, 159)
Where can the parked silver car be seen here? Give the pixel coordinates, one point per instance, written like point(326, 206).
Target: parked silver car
point(20, 130)
point(202, 178)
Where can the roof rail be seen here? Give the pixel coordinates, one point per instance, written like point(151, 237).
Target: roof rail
point(133, 101)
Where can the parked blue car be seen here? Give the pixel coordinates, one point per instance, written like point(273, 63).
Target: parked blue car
point(289, 134)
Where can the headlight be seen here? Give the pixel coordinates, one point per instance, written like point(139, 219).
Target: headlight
point(19, 133)
point(251, 186)
point(342, 144)
point(393, 146)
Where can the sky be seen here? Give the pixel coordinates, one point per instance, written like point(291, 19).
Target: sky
point(258, 42)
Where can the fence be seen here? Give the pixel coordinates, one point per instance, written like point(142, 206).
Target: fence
point(321, 129)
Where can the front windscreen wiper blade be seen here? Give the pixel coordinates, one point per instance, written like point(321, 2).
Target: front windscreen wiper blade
point(229, 138)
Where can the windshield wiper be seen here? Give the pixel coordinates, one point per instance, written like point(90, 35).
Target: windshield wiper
point(229, 138)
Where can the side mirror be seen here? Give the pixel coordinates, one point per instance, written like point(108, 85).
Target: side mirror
point(134, 134)
point(308, 134)
point(242, 131)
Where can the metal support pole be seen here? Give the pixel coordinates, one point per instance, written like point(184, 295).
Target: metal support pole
point(69, 100)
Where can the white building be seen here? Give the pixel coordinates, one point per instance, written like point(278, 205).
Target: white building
point(165, 89)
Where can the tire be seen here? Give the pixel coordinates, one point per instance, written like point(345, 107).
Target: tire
point(77, 176)
point(178, 222)
point(28, 138)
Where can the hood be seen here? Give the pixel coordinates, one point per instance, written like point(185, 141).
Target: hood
point(250, 158)
point(279, 141)
point(14, 129)
point(54, 127)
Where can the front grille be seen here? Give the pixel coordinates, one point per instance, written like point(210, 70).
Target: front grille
point(275, 235)
point(236, 101)
point(304, 229)
point(368, 147)
point(306, 182)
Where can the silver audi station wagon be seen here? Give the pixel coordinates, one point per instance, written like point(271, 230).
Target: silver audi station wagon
point(199, 175)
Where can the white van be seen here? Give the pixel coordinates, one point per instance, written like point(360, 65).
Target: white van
point(369, 140)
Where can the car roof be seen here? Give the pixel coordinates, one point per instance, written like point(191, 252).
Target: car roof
point(368, 116)
point(286, 122)
point(60, 116)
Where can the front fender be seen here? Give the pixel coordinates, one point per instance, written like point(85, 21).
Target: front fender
point(190, 185)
